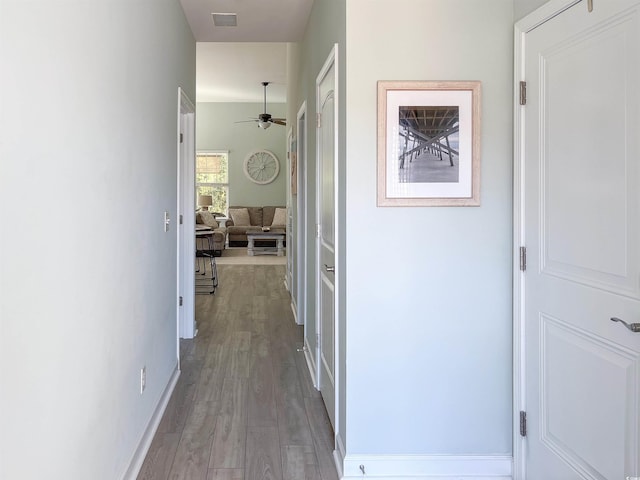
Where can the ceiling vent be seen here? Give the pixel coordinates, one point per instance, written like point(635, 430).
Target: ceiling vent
point(225, 19)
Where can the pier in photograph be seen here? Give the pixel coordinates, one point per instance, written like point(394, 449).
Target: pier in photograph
point(428, 146)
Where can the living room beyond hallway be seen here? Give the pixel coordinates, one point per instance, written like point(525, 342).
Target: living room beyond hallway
point(244, 407)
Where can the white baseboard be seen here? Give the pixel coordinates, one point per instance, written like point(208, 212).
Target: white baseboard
point(311, 364)
point(338, 456)
point(295, 314)
point(432, 467)
point(145, 442)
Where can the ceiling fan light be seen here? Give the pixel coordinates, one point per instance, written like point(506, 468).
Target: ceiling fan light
point(264, 125)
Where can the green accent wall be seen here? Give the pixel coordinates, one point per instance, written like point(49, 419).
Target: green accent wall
point(216, 129)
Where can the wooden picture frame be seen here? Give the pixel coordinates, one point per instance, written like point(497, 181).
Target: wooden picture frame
point(428, 143)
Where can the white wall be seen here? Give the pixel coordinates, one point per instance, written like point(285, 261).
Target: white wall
point(216, 130)
point(429, 289)
point(89, 95)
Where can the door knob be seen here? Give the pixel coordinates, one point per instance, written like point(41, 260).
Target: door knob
point(634, 327)
point(329, 269)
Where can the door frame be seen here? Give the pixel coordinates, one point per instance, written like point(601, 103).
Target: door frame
point(301, 222)
point(543, 14)
point(331, 61)
point(288, 275)
point(185, 285)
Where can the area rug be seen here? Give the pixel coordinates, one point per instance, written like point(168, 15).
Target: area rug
point(238, 256)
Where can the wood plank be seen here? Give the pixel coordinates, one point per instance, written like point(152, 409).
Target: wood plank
point(192, 456)
point(263, 461)
point(228, 447)
point(178, 408)
point(300, 463)
point(292, 417)
point(323, 437)
point(211, 379)
point(261, 389)
point(239, 345)
point(159, 460)
point(226, 474)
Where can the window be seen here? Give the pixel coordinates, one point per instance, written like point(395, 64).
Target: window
point(212, 178)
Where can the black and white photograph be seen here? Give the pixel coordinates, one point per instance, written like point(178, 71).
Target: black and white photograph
point(428, 143)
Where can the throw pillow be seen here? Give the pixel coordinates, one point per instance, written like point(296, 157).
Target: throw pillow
point(208, 219)
point(280, 217)
point(240, 216)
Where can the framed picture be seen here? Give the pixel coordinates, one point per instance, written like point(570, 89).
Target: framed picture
point(428, 143)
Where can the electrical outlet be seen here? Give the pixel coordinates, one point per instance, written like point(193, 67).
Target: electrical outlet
point(143, 379)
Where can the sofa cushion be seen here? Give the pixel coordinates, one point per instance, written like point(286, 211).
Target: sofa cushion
point(240, 216)
point(255, 214)
point(267, 215)
point(279, 217)
point(207, 219)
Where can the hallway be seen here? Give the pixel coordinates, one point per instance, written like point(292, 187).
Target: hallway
point(244, 407)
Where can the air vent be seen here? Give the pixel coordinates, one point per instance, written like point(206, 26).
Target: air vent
point(225, 19)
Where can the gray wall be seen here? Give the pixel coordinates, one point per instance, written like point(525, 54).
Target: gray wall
point(88, 118)
point(521, 8)
point(216, 130)
point(429, 288)
point(326, 27)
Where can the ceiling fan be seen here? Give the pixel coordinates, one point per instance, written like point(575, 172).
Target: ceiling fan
point(264, 119)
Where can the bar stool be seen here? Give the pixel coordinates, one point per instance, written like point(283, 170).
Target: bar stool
point(204, 256)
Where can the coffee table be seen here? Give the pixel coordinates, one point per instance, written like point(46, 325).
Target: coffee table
point(276, 234)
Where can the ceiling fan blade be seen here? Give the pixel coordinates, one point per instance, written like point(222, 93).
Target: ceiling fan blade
point(247, 121)
point(279, 121)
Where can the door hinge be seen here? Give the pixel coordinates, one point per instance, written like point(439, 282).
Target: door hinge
point(317, 340)
point(523, 424)
point(317, 230)
point(180, 300)
point(318, 120)
point(181, 138)
point(523, 259)
point(523, 93)
point(590, 6)
point(180, 219)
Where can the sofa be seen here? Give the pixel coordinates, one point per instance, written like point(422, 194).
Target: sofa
point(219, 232)
point(240, 221)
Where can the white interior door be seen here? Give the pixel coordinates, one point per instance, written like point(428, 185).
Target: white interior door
point(326, 141)
point(581, 208)
point(185, 223)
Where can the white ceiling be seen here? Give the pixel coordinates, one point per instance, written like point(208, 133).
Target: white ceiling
point(232, 62)
point(234, 72)
point(258, 20)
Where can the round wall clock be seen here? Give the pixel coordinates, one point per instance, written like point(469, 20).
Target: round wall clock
point(261, 166)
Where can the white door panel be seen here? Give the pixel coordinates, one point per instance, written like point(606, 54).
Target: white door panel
point(582, 233)
point(326, 134)
point(327, 357)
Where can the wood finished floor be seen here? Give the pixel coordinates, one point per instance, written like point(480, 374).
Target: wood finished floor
point(244, 407)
